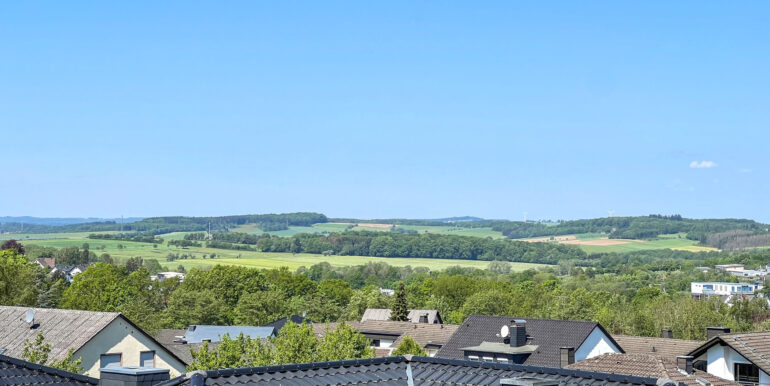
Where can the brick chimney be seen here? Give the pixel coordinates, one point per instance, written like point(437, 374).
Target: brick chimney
point(716, 331)
point(132, 376)
point(567, 356)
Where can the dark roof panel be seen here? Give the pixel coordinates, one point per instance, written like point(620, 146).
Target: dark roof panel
point(402, 370)
point(548, 334)
point(18, 372)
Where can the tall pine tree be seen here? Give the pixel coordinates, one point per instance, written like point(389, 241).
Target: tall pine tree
point(398, 311)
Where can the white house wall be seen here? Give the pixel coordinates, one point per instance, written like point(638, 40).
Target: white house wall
point(120, 337)
point(596, 344)
point(721, 361)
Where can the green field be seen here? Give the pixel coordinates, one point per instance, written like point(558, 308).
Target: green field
point(672, 241)
point(201, 256)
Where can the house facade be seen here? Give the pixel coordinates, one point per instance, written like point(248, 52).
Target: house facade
point(737, 357)
point(700, 289)
point(101, 339)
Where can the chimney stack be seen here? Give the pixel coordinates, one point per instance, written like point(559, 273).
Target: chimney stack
point(716, 331)
point(684, 363)
point(666, 333)
point(132, 376)
point(518, 330)
point(567, 356)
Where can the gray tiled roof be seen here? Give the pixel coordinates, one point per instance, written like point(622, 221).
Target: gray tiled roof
point(549, 335)
point(401, 371)
point(754, 346)
point(424, 334)
point(168, 338)
point(63, 329)
point(667, 348)
point(645, 365)
point(413, 316)
point(18, 372)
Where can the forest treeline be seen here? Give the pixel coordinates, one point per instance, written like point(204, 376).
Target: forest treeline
point(648, 227)
point(636, 227)
point(738, 239)
point(368, 243)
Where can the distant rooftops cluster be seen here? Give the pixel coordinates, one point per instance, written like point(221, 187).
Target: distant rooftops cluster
point(483, 350)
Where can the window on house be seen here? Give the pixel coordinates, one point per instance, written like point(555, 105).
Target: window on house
point(473, 357)
point(746, 373)
point(147, 359)
point(700, 365)
point(502, 360)
point(489, 359)
point(110, 360)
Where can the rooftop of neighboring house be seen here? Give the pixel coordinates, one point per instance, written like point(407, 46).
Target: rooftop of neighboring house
point(63, 329)
point(425, 335)
point(754, 346)
point(653, 366)
point(18, 372)
point(199, 333)
point(406, 370)
point(70, 268)
point(414, 316)
point(173, 340)
point(49, 262)
point(545, 337)
point(296, 319)
point(667, 348)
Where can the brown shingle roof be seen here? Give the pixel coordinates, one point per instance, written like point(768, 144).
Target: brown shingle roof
point(422, 333)
point(63, 329)
point(663, 347)
point(754, 346)
point(644, 365)
point(383, 314)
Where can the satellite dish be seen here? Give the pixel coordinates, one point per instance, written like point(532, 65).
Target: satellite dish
point(30, 317)
point(504, 331)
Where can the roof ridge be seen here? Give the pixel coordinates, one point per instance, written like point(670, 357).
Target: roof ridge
point(525, 318)
point(48, 369)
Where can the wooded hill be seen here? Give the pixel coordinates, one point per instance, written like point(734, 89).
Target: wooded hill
point(160, 225)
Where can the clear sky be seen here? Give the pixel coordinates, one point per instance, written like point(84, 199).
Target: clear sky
point(385, 109)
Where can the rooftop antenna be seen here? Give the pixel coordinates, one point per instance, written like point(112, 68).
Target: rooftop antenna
point(611, 212)
point(30, 317)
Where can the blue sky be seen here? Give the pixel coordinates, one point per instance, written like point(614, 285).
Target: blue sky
point(398, 109)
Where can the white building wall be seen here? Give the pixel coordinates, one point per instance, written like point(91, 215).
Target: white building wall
point(597, 343)
point(120, 337)
point(721, 362)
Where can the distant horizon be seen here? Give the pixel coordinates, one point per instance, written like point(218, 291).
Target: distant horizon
point(139, 218)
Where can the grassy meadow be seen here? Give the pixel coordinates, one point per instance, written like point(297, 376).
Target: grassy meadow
point(198, 256)
point(202, 256)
